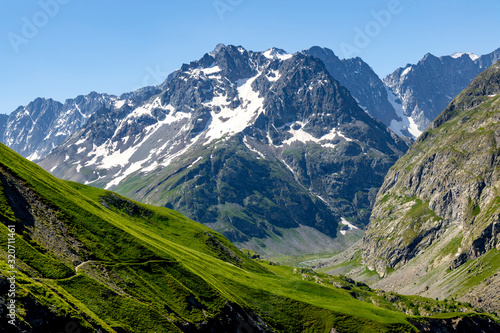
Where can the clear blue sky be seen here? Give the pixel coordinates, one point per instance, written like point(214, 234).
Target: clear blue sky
point(117, 46)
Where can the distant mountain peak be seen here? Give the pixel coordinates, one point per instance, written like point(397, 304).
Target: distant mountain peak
point(275, 53)
point(471, 55)
point(427, 87)
point(366, 87)
point(428, 56)
point(217, 49)
point(318, 50)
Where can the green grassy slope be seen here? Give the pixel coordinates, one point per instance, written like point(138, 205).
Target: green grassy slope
point(91, 259)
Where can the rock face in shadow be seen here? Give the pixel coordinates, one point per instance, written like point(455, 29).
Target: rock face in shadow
point(361, 81)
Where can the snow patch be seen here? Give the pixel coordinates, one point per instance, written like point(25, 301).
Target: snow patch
point(344, 222)
point(406, 71)
point(284, 57)
point(79, 142)
point(413, 129)
point(196, 161)
point(459, 54)
point(211, 70)
point(147, 108)
point(33, 156)
point(303, 136)
point(119, 103)
point(231, 121)
point(167, 158)
point(205, 71)
point(321, 198)
point(131, 169)
point(274, 77)
point(245, 141)
point(110, 156)
point(273, 54)
point(406, 123)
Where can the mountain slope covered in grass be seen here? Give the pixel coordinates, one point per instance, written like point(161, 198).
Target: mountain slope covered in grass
point(93, 260)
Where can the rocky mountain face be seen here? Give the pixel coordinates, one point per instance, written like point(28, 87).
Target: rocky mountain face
point(427, 87)
point(367, 88)
point(407, 101)
point(265, 147)
point(436, 219)
point(37, 128)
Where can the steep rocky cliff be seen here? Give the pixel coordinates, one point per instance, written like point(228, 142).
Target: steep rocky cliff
point(438, 210)
point(364, 84)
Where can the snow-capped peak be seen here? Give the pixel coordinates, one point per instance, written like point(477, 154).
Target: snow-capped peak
point(471, 55)
point(275, 53)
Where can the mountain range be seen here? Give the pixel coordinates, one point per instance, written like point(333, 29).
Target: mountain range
point(406, 100)
point(264, 147)
point(37, 128)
